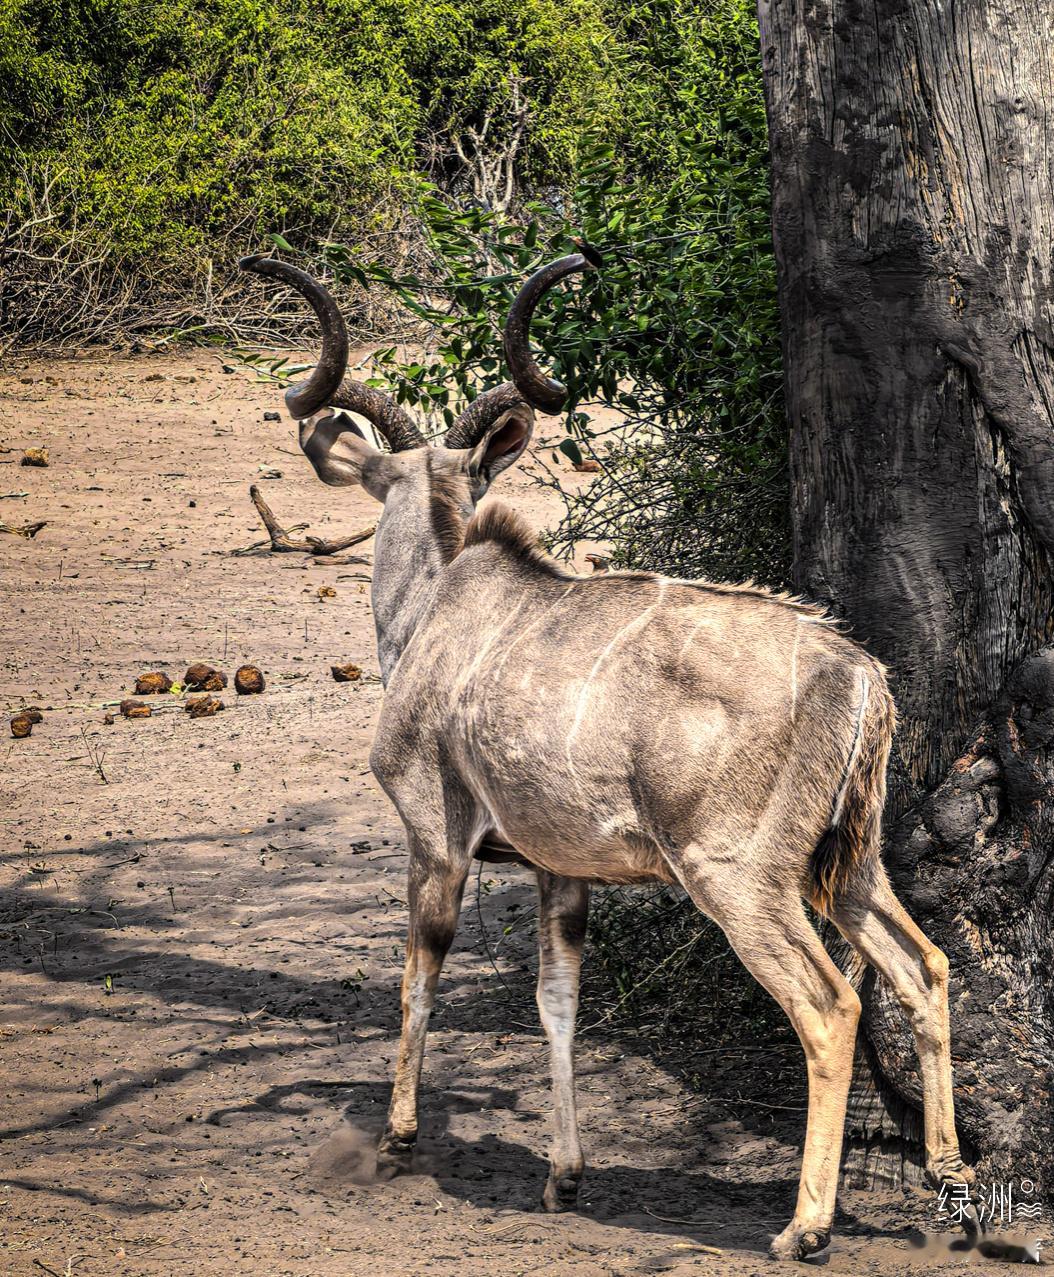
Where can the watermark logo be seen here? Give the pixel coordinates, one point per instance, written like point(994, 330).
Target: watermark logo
point(999, 1207)
point(1000, 1204)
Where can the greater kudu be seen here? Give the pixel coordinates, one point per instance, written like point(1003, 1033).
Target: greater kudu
point(622, 727)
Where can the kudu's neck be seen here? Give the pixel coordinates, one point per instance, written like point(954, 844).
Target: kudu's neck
point(419, 532)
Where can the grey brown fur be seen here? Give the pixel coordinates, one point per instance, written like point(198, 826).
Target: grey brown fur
point(622, 728)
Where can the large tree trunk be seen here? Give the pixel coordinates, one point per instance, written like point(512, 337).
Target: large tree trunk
point(913, 199)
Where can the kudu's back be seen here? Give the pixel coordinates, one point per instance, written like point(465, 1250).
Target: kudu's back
point(603, 725)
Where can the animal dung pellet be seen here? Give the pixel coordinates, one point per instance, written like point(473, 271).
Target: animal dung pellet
point(587, 466)
point(326, 592)
point(248, 680)
point(152, 684)
point(35, 457)
point(203, 678)
point(108, 719)
point(135, 709)
point(21, 725)
point(203, 706)
point(346, 673)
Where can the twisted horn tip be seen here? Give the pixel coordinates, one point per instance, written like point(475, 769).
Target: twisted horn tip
point(250, 262)
point(593, 256)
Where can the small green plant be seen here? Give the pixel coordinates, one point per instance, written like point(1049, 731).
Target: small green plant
point(353, 984)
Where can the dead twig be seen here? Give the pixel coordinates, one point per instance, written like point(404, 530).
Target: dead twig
point(75, 1259)
point(27, 530)
point(144, 564)
point(483, 930)
point(281, 539)
point(129, 860)
point(710, 1220)
point(95, 756)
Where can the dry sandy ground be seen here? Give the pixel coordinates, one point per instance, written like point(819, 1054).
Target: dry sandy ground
point(199, 958)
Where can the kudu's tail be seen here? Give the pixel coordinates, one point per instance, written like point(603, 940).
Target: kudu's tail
point(853, 839)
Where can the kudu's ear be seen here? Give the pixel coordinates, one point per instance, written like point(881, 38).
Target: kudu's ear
point(502, 445)
point(336, 448)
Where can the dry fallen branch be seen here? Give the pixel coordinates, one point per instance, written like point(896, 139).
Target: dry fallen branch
point(281, 539)
point(27, 530)
point(115, 559)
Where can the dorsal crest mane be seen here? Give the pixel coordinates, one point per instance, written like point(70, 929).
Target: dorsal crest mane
point(499, 524)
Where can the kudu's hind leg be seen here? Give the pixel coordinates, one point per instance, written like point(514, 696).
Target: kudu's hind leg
point(778, 946)
point(435, 886)
point(876, 924)
point(564, 904)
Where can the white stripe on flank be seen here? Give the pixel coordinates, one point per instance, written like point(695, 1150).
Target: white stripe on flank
point(839, 801)
point(637, 623)
point(473, 668)
point(794, 672)
point(691, 636)
point(582, 703)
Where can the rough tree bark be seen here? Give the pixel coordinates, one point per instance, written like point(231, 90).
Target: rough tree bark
point(913, 198)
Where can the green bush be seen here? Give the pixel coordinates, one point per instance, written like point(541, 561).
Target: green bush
point(145, 145)
point(678, 333)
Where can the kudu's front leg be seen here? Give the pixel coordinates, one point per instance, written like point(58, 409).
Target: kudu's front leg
point(564, 904)
point(436, 882)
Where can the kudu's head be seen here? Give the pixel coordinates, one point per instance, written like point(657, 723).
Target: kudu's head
point(488, 436)
point(428, 491)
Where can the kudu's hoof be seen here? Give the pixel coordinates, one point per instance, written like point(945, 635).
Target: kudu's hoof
point(973, 1223)
point(561, 1193)
point(394, 1157)
point(952, 1179)
point(799, 1243)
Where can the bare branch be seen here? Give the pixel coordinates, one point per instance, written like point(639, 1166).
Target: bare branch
point(282, 542)
point(27, 530)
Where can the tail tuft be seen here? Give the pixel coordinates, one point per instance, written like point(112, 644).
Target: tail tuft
point(853, 838)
